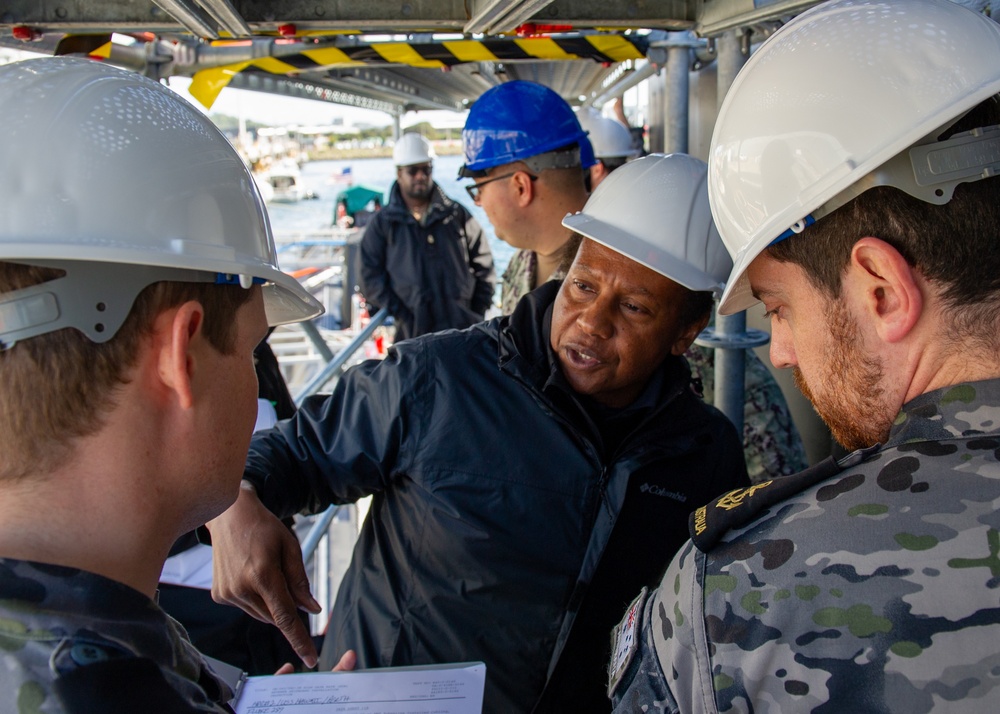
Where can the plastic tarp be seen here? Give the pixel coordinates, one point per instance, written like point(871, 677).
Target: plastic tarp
point(358, 197)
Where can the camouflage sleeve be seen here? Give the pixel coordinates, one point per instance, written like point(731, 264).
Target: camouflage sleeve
point(771, 442)
point(516, 280)
point(679, 633)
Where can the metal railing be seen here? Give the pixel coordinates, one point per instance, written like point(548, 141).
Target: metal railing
point(334, 366)
point(319, 529)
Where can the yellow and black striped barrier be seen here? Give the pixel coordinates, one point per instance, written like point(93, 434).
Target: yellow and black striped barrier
point(606, 48)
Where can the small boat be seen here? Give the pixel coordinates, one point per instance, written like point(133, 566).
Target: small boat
point(285, 179)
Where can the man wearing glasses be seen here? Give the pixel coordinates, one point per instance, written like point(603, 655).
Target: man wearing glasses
point(528, 155)
point(424, 256)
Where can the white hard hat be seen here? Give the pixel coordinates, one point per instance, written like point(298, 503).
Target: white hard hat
point(121, 183)
point(412, 149)
point(610, 138)
point(829, 106)
point(655, 211)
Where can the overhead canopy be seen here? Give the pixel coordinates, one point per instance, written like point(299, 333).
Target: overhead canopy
point(389, 55)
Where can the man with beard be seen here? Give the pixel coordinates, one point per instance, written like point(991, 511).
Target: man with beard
point(424, 256)
point(521, 470)
point(870, 584)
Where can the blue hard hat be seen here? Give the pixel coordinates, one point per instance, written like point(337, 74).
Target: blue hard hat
point(517, 120)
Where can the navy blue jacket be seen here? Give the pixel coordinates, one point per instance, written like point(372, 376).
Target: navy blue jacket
point(495, 497)
point(434, 274)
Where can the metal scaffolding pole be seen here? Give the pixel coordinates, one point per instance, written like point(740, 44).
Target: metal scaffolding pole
point(678, 89)
point(730, 337)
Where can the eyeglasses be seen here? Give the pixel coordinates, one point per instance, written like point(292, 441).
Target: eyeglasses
point(419, 169)
point(474, 189)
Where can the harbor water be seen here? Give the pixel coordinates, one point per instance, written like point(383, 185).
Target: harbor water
point(323, 178)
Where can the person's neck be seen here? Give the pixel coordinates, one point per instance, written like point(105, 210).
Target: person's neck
point(416, 207)
point(550, 250)
point(940, 366)
point(69, 517)
point(935, 354)
point(547, 264)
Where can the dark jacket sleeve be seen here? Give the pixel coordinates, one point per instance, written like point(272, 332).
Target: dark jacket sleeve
point(375, 283)
point(481, 264)
point(343, 446)
point(725, 464)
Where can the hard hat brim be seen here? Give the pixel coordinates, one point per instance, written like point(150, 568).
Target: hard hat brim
point(286, 301)
point(642, 252)
point(738, 295)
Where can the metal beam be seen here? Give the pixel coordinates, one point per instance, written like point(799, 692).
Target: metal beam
point(386, 16)
point(413, 94)
point(227, 17)
point(305, 89)
point(258, 15)
point(501, 16)
point(190, 16)
point(718, 16)
point(622, 83)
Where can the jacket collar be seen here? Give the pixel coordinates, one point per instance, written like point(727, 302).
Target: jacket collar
point(396, 207)
point(949, 412)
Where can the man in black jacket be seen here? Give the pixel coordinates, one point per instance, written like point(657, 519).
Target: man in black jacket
point(424, 256)
point(529, 475)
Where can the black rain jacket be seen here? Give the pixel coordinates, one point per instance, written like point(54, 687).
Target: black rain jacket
point(494, 500)
point(434, 274)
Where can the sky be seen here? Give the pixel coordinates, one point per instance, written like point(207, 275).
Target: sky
point(276, 110)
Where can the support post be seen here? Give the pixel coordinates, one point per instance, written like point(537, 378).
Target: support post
point(730, 337)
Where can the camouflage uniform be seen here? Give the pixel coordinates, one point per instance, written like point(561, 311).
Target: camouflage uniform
point(771, 443)
point(72, 641)
point(519, 279)
point(868, 585)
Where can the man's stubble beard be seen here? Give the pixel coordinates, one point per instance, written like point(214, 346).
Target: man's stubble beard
point(851, 400)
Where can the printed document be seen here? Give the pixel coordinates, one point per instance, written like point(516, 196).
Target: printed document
point(431, 689)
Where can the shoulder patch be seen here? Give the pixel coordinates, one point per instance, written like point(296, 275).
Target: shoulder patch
point(625, 639)
point(737, 508)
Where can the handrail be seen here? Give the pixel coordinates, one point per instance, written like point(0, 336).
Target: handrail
point(312, 332)
point(312, 243)
point(316, 533)
point(334, 365)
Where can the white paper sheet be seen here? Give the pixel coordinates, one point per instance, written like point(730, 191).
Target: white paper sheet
point(191, 568)
point(435, 689)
